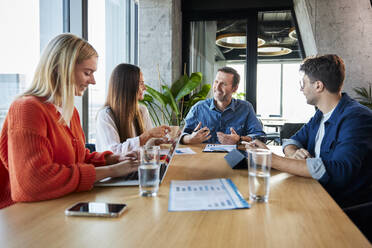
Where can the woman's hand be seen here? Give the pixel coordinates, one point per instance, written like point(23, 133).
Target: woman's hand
point(132, 155)
point(117, 170)
point(156, 132)
point(124, 168)
point(116, 158)
point(159, 132)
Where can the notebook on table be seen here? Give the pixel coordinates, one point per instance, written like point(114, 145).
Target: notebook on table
point(132, 179)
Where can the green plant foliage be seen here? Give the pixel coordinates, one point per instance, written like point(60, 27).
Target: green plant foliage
point(169, 106)
point(240, 95)
point(364, 95)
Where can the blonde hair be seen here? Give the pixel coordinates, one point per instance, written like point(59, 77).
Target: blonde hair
point(54, 77)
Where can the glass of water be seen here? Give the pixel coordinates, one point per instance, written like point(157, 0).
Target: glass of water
point(148, 171)
point(259, 165)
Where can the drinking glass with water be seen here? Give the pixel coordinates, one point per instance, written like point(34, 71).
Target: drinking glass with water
point(259, 165)
point(148, 171)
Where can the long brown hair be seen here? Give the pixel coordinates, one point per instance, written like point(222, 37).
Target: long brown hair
point(122, 100)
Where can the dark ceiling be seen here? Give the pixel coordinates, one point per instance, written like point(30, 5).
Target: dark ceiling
point(201, 6)
point(273, 28)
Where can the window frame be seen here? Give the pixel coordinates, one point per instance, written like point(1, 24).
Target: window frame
point(193, 12)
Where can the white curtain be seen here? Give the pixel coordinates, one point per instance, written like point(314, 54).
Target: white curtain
point(203, 49)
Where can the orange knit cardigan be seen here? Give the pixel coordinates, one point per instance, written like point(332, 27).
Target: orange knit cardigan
point(41, 158)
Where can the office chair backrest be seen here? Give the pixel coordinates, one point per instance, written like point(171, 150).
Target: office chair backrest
point(289, 129)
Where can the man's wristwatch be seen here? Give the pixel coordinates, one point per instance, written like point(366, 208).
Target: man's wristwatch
point(240, 140)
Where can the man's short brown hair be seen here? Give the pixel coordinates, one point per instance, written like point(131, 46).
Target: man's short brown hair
point(329, 68)
point(230, 70)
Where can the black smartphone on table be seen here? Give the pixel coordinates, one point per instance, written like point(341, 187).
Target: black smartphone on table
point(100, 209)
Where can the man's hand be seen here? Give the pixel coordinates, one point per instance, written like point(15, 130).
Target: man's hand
point(228, 139)
point(256, 144)
point(300, 153)
point(199, 135)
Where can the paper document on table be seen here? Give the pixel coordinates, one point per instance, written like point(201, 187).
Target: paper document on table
point(219, 148)
point(213, 194)
point(184, 151)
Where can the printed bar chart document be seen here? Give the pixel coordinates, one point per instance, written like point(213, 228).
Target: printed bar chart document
point(213, 194)
point(184, 151)
point(218, 148)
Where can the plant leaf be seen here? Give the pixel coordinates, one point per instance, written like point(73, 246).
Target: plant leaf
point(187, 89)
point(172, 102)
point(147, 98)
point(177, 85)
point(204, 91)
point(195, 100)
point(192, 83)
point(157, 95)
point(364, 96)
point(196, 77)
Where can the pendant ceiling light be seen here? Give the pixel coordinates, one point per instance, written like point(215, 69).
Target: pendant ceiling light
point(292, 34)
point(273, 50)
point(235, 40)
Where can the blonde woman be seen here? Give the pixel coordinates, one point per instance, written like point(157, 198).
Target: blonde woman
point(42, 144)
point(123, 125)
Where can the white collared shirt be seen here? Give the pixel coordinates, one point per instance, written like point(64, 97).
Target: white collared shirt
point(107, 134)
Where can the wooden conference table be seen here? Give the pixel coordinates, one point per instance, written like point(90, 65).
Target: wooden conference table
point(299, 214)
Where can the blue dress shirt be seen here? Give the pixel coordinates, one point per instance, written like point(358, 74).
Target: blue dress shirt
point(239, 115)
point(345, 164)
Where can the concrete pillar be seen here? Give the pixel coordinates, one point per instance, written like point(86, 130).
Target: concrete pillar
point(160, 41)
point(303, 14)
point(343, 27)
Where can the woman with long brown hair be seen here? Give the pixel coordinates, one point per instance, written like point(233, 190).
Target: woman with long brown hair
point(123, 124)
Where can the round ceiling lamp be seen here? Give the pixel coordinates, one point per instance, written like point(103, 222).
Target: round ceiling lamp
point(273, 50)
point(235, 40)
point(292, 33)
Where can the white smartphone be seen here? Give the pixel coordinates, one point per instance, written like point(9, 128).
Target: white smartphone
point(101, 209)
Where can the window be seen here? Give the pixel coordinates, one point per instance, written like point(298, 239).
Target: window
point(269, 75)
point(26, 27)
point(240, 68)
point(112, 30)
point(278, 93)
point(295, 108)
point(269, 90)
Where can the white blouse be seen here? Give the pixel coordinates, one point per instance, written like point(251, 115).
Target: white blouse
point(107, 134)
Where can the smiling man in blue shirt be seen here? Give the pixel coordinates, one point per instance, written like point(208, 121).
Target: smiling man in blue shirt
point(222, 119)
point(335, 146)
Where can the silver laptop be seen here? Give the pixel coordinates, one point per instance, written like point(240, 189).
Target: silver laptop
point(132, 179)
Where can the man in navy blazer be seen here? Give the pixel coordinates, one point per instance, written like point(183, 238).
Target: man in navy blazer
point(335, 146)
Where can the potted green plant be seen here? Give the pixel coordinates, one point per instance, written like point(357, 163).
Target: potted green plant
point(364, 95)
point(171, 105)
